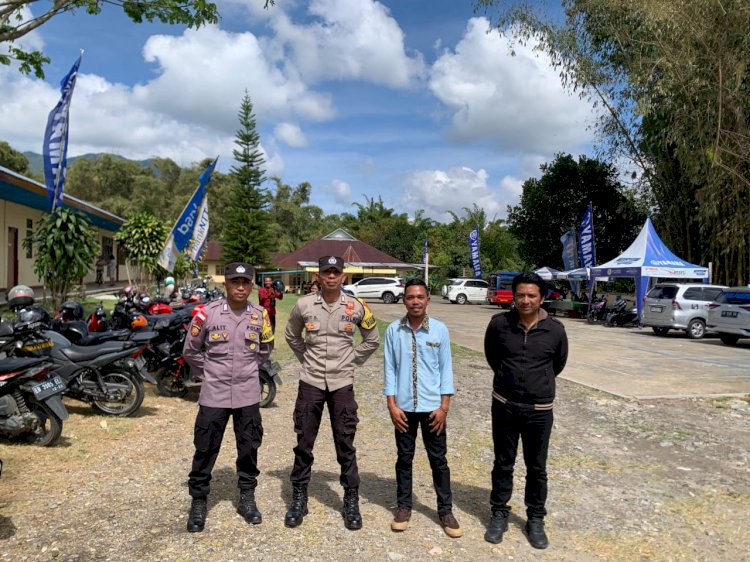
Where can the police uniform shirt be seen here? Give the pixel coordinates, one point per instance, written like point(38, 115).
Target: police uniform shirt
point(226, 350)
point(322, 337)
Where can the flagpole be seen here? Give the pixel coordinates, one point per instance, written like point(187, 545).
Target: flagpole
point(427, 269)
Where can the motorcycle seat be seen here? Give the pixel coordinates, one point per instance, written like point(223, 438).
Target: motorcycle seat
point(94, 338)
point(143, 337)
point(13, 364)
point(80, 353)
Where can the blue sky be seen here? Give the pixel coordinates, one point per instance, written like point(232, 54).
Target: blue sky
point(410, 100)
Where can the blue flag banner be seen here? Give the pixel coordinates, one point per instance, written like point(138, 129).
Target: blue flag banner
point(55, 147)
point(586, 239)
point(424, 251)
point(568, 240)
point(474, 252)
point(200, 233)
point(185, 227)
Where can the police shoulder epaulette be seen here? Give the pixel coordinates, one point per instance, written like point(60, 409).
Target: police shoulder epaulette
point(213, 304)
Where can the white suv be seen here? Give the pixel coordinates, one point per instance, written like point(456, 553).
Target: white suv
point(389, 289)
point(465, 290)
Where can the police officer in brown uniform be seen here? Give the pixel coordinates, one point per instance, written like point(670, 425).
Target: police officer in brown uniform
point(328, 355)
point(225, 344)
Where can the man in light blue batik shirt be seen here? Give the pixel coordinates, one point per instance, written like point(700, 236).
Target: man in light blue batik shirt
point(418, 385)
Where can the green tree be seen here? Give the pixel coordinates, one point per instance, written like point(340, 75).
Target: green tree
point(113, 183)
point(673, 79)
point(141, 240)
point(246, 235)
point(12, 159)
point(293, 220)
point(557, 202)
point(192, 13)
point(66, 248)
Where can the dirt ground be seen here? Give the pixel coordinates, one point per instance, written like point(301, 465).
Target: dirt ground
point(629, 480)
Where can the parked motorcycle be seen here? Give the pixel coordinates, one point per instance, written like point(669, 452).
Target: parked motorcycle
point(597, 311)
point(175, 381)
point(30, 403)
point(77, 332)
point(621, 315)
point(103, 375)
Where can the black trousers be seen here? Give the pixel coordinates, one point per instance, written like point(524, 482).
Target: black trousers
point(308, 411)
point(436, 447)
point(209, 432)
point(273, 322)
point(534, 428)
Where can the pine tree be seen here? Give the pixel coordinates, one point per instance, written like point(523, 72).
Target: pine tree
point(246, 235)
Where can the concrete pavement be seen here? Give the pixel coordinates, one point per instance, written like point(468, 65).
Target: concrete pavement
point(627, 362)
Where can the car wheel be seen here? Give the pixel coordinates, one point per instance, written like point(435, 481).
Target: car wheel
point(729, 339)
point(461, 299)
point(660, 331)
point(389, 298)
point(696, 329)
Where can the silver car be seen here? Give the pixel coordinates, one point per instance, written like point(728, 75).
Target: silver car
point(730, 315)
point(677, 306)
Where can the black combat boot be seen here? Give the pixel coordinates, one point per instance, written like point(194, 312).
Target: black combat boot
point(197, 518)
point(352, 518)
point(247, 507)
point(298, 509)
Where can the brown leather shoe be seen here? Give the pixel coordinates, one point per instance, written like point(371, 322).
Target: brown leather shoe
point(451, 526)
point(401, 519)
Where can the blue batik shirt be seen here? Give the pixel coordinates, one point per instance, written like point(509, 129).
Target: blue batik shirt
point(418, 368)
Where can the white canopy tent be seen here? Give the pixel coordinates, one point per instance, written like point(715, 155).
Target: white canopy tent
point(648, 257)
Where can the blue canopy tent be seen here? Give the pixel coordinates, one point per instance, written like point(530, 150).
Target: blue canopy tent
point(648, 257)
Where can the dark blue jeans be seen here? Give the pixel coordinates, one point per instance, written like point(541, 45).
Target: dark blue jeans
point(534, 427)
point(436, 447)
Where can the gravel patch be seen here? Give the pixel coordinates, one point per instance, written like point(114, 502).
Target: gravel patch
point(629, 480)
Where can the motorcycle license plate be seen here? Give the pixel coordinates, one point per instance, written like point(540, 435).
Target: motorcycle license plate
point(47, 388)
point(729, 313)
point(656, 308)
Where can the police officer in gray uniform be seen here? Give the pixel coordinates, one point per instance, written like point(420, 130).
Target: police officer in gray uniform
point(226, 343)
point(328, 355)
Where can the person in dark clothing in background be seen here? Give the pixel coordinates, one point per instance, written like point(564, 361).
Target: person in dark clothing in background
point(526, 350)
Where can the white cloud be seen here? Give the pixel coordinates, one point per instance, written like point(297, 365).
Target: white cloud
point(512, 184)
point(350, 39)
point(439, 191)
point(290, 134)
point(204, 73)
point(515, 102)
point(188, 111)
point(341, 192)
point(32, 41)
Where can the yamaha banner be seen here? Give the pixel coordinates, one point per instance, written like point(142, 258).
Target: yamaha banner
point(568, 240)
point(474, 252)
point(55, 146)
point(586, 239)
point(185, 227)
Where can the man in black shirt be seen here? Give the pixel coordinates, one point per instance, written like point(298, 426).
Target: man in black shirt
point(526, 350)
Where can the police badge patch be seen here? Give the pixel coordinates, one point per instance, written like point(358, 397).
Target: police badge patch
point(195, 329)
